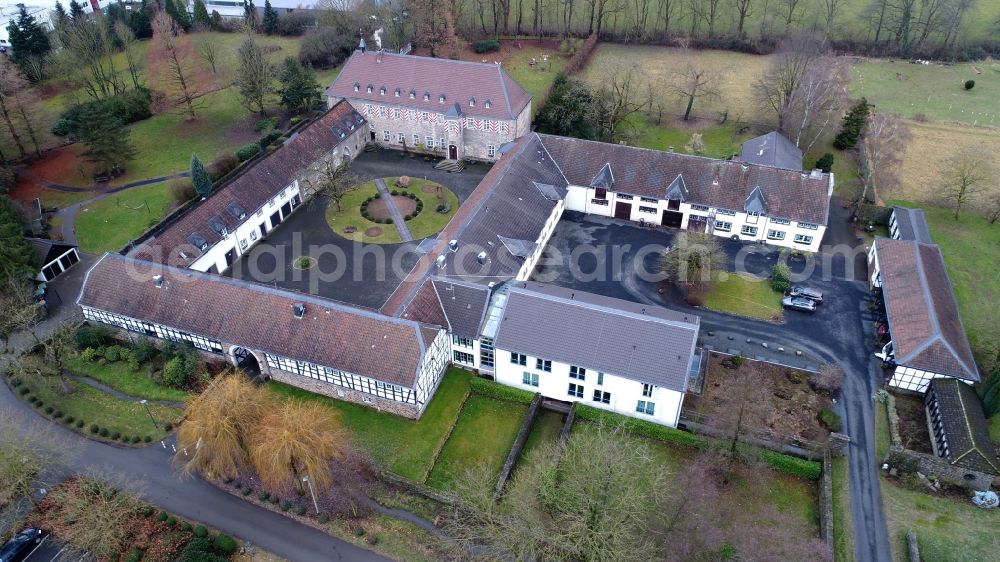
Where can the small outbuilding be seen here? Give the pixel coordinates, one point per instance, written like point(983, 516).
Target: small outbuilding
point(772, 149)
point(55, 257)
point(957, 425)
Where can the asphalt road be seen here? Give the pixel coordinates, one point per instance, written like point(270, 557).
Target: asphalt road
point(840, 332)
point(191, 497)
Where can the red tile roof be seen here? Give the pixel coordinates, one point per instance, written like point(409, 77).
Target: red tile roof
point(260, 318)
point(927, 331)
point(459, 81)
point(788, 194)
point(252, 189)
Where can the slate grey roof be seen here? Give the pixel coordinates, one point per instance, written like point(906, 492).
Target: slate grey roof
point(641, 342)
point(48, 250)
point(464, 305)
point(772, 149)
point(604, 178)
point(912, 224)
point(755, 202)
point(926, 328)
point(677, 190)
point(964, 425)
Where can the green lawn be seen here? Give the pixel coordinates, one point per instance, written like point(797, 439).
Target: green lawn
point(427, 223)
point(971, 250)
point(994, 425)
point(95, 407)
point(843, 533)
point(744, 296)
point(934, 90)
point(536, 80)
point(548, 426)
point(108, 224)
point(118, 376)
point(948, 530)
point(882, 439)
point(483, 434)
point(403, 446)
point(721, 141)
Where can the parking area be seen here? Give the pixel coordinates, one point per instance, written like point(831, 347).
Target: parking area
point(342, 269)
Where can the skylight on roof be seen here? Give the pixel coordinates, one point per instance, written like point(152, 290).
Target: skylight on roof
point(198, 241)
point(236, 211)
point(218, 226)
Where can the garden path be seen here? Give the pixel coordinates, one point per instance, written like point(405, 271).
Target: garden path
point(121, 395)
point(397, 217)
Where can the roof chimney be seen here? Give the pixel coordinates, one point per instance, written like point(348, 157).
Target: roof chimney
point(482, 258)
point(453, 245)
point(440, 260)
point(158, 281)
point(816, 174)
point(299, 309)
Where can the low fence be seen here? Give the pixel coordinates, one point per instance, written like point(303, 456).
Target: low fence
point(518, 446)
point(697, 422)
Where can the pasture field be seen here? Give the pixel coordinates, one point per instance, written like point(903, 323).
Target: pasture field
point(934, 91)
point(929, 149)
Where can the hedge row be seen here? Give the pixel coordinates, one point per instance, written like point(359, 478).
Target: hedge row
point(582, 55)
point(791, 465)
point(642, 427)
point(499, 391)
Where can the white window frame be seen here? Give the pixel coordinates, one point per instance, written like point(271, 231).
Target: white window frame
point(723, 226)
point(748, 230)
point(803, 239)
point(491, 151)
point(775, 234)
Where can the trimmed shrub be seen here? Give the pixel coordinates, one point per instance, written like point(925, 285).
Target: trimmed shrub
point(286, 505)
point(147, 439)
point(69, 419)
point(247, 152)
point(824, 162)
point(294, 120)
point(15, 382)
point(266, 124)
point(147, 511)
point(359, 532)
point(79, 424)
point(93, 336)
point(171, 521)
point(94, 428)
point(642, 427)
point(499, 391)
point(199, 549)
point(49, 410)
point(791, 465)
point(247, 490)
point(274, 499)
point(269, 138)
point(781, 278)
point(57, 414)
point(23, 390)
point(582, 55)
point(200, 531)
point(829, 419)
point(136, 439)
point(32, 400)
point(222, 166)
point(486, 46)
point(225, 544)
point(104, 432)
point(263, 496)
point(39, 403)
point(186, 527)
point(168, 426)
point(113, 353)
point(970, 84)
point(181, 190)
point(115, 435)
point(163, 515)
point(323, 518)
point(300, 510)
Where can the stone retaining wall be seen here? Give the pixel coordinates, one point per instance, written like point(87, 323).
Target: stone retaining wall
point(518, 446)
point(340, 393)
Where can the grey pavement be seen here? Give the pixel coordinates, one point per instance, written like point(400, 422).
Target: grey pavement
point(840, 332)
point(397, 217)
point(387, 163)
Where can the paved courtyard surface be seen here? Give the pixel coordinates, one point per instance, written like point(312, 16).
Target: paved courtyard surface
point(346, 271)
point(608, 257)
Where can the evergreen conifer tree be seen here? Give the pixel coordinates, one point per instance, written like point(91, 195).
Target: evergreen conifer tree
point(270, 21)
point(199, 177)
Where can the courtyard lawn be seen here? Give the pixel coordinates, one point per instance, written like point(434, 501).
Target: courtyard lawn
point(843, 532)
point(429, 222)
point(95, 407)
point(744, 296)
point(118, 376)
point(350, 217)
point(483, 434)
point(934, 90)
point(548, 426)
point(538, 79)
point(948, 529)
point(971, 250)
point(108, 224)
point(403, 446)
point(882, 439)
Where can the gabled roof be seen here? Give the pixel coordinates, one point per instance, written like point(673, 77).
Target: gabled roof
point(646, 343)
point(755, 202)
point(677, 190)
point(458, 81)
point(260, 318)
point(464, 305)
point(964, 424)
point(772, 149)
point(927, 331)
point(912, 224)
point(717, 183)
point(247, 192)
point(604, 178)
point(48, 250)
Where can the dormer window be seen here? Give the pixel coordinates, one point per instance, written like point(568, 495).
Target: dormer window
point(397, 92)
point(427, 96)
point(441, 99)
point(488, 104)
point(381, 91)
point(472, 102)
point(369, 88)
point(357, 87)
point(413, 94)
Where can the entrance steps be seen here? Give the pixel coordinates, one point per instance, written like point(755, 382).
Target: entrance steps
point(372, 147)
point(450, 165)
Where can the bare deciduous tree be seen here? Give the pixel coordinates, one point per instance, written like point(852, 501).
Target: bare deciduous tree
point(828, 380)
point(692, 260)
point(208, 50)
point(18, 106)
point(174, 66)
point(742, 13)
point(96, 515)
point(90, 46)
point(619, 98)
point(966, 175)
point(694, 81)
point(880, 155)
point(331, 179)
point(17, 309)
point(30, 458)
point(255, 76)
point(817, 102)
point(775, 89)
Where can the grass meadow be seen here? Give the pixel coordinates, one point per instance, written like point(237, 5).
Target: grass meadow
point(108, 224)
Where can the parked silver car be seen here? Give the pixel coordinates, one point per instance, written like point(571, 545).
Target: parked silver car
point(799, 303)
point(806, 293)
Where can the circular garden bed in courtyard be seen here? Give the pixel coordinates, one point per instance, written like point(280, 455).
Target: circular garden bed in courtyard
point(364, 215)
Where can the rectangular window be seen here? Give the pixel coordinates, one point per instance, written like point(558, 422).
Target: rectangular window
point(649, 200)
point(575, 390)
point(776, 234)
point(723, 226)
point(260, 212)
point(486, 353)
point(416, 139)
point(623, 196)
point(385, 136)
point(647, 209)
point(400, 138)
point(602, 397)
point(600, 193)
point(808, 225)
point(491, 151)
point(463, 357)
point(748, 230)
point(253, 235)
point(647, 390)
point(779, 221)
point(243, 244)
point(395, 113)
point(518, 359)
point(460, 341)
point(443, 144)
point(600, 378)
point(726, 212)
point(645, 407)
point(543, 365)
point(702, 208)
point(578, 373)
point(530, 379)
point(430, 142)
point(601, 202)
point(803, 239)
